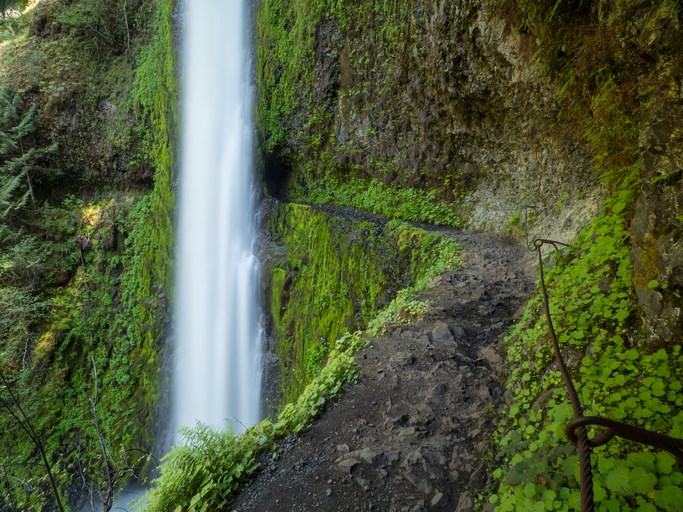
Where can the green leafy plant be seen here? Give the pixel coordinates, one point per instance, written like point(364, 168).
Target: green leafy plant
point(619, 376)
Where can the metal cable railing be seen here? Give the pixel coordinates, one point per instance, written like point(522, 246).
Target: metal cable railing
point(576, 428)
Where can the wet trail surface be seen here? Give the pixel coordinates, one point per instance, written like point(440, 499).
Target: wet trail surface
point(415, 432)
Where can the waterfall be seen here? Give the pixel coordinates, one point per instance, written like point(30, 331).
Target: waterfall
point(218, 347)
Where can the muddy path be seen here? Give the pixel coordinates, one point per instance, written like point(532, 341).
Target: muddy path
point(415, 432)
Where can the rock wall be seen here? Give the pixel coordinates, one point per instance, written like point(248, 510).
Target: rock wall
point(657, 225)
point(521, 116)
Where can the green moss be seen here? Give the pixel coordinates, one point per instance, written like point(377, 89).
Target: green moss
point(409, 204)
point(338, 273)
point(646, 263)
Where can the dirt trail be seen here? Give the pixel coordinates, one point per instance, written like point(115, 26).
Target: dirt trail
point(414, 433)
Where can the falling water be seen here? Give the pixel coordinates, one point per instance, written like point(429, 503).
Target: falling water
point(217, 369)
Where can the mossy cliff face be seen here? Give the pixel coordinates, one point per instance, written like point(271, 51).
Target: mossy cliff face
point(439, 96)
point(95, 291)
point(330, 272)
point(514, 116)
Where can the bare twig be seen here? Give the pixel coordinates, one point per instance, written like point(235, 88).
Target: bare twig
point(22, 419)
point(108, 499)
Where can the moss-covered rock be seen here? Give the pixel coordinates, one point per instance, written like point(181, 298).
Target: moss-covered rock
point(333, 271)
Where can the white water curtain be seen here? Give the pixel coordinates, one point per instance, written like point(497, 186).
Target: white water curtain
point(217, 358)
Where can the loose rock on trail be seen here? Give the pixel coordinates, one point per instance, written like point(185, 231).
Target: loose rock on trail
point(415, 432)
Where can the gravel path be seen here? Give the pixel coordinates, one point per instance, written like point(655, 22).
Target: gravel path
point(415, 432)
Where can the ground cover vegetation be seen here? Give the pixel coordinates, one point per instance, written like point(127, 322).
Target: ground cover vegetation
point(620, 371)
point(87, 97)
point(619, 375)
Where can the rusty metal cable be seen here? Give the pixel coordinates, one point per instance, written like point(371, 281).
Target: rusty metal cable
point(576, 428)
point(632, 433)
point(586, 472)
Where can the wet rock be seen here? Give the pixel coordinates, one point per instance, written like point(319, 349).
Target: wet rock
point(441, 333)
point(465, 503)
point(439, 499)
point(399, 414)
point(346, 466)
point(365, 455)
point(421, 482)
point(400, 359)
point(489, 355)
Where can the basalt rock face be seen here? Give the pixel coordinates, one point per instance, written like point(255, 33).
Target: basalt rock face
point(657, 226)
point(444, 96)
point(524, 115)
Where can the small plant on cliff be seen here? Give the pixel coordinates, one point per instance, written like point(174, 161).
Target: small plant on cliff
point(22, 160)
